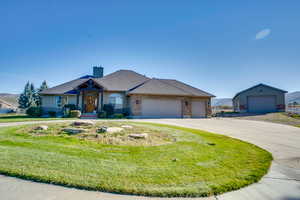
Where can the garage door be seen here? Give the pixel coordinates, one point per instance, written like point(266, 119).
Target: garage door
point(161, 108)
point(198, 109)
point(261, 104)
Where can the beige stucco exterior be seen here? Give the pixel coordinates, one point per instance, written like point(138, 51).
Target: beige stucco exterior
point(133, 103)
point(240, 102)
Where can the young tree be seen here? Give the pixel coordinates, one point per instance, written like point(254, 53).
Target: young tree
point(33, 95)
point(24, 99)
point(43, 86)
point(38, 99)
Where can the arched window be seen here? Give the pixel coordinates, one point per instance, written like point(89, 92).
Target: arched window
point(116, 100)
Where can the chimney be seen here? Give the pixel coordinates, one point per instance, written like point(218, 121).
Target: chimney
point(97, 72)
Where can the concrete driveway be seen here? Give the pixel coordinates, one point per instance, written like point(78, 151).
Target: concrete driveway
point(282, 182)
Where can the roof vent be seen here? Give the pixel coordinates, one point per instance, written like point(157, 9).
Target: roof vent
point(97, 72)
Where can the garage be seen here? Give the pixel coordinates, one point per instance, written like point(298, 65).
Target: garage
point(165, 108)
point(261, 104)
point(198, 109)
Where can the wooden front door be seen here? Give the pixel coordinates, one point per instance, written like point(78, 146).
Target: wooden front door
point(90, 105)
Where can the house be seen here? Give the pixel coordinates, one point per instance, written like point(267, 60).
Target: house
point(126, 90)
point(6, 107)
point(260, 98)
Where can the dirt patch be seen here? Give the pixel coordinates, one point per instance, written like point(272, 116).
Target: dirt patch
point(280, 118)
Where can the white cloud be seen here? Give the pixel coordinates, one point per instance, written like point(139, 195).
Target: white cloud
point(262, 34)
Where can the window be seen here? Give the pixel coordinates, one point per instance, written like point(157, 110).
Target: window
point(116, 100)
point(60, 101)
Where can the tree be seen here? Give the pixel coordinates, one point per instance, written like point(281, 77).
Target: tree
point(43, 86)
point(38, 99)
point(24, 99)
point(30, 96)
point(33, 96)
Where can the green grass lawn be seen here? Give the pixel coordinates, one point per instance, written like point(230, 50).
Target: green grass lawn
point(196, 163)
point(4, 118)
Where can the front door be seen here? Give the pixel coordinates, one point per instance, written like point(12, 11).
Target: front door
point(90, 105)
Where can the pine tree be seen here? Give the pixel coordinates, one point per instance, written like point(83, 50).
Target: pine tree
point(43, 86)
point(38, 99)
point(24, 99)
point(33, 95)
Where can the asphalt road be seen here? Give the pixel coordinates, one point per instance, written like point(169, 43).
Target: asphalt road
point(281, 183)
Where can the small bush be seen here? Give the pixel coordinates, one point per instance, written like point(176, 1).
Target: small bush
point(118, 116)
point(109, 109)
point(70, 106)
point(52, 113)
point(102, 114)
point(67, 108)
point(34, 111)
point(75, 113)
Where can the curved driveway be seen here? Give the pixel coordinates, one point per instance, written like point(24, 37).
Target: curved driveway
point(282, 182)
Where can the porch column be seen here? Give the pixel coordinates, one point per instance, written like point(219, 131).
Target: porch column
point(101, 100)
point(77, 99)
point(82, 103)
point(98, 100)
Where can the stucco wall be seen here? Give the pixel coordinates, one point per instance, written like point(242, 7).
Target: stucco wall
point(240, 103)
point(49, 102)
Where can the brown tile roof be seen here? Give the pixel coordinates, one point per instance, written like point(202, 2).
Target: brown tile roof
point(133, 83)
point(65, 87)
point(190, 89)
point(168, 87)
point(122, 80)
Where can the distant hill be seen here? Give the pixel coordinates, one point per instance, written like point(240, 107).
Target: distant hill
point(10, 98)
point(293, 97)
point(222, 102)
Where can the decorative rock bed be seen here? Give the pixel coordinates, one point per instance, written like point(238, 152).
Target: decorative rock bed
point(73, 130)
point(83, 123)
point(41, 128)
point(138, 135)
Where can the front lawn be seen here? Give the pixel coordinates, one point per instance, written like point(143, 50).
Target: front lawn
point(4, 118)
point(171, 161)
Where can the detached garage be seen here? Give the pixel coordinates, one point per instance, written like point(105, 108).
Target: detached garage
point(260, 99)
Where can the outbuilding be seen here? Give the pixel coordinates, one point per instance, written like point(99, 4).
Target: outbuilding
point(260, 98)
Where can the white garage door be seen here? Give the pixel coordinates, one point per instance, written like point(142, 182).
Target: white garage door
point(198, 109)
point(261, 104)
point(161, 108)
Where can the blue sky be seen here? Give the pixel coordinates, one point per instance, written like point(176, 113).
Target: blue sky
point(218, 46)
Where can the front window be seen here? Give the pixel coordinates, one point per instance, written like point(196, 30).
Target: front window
point(61, 101)
point(116, 100)
point(58, 101)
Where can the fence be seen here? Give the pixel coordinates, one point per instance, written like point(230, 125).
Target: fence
point(293, 109)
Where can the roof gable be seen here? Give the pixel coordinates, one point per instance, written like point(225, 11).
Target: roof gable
point(122, 80)
point(259, 85)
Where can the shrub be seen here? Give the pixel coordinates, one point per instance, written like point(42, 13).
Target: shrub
point(70, 106)
point(109, 109)
point(102, 114)
point(118, 116)
point(126, 112)
point(34, 111)
point(52, 113)
point(75, 113)
point(67, 108)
